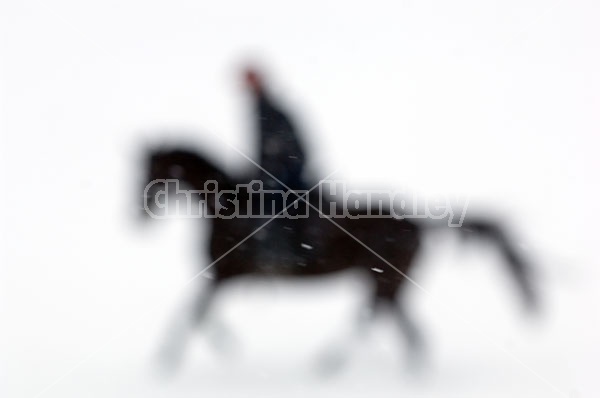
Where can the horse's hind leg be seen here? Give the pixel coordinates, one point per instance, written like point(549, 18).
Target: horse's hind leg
point(389, 297)
point(193, 314)
point(414, 339)
point(338, 353)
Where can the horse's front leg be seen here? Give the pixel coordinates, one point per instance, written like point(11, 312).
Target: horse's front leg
point(192, 316)
point(337, 354)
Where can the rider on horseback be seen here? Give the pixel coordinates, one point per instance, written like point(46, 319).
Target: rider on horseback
point(280, 151)
point(282, 162)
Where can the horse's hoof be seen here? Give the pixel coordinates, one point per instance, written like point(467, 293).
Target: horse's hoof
point(167, 363)
point(222, 340)
point(415, 364)
point(330, 363)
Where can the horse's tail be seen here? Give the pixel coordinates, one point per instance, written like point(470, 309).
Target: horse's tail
point(519, 268)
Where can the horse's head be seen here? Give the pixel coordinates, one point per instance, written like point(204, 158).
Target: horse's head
point(170, 169)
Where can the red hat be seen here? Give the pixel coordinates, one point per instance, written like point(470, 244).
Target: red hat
point(253, 79)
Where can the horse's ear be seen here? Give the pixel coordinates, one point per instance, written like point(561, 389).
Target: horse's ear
point(143, 147)
point(150, 148)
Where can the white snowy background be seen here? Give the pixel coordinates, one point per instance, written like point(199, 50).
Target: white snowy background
point(495, 99)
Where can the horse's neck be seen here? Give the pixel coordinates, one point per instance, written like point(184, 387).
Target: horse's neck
point(200, 181)
point(198, 173)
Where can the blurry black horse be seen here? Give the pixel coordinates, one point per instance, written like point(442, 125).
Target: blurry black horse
point(384, 248)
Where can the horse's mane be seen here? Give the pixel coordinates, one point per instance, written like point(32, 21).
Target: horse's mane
point(187, 156)
point(200, 165)
point(193, 162)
